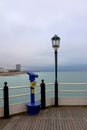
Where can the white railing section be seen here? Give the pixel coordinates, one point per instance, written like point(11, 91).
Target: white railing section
point(65, 84)
point(47, 84)
point(20, 107)
point(1, 89)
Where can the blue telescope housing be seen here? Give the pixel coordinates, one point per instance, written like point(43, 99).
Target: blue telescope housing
point(32, 76)
point(32, 107)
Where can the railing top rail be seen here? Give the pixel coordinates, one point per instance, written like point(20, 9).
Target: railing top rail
point(1, 89)
point(47, 84)
point(18, 87)
point(72, 83)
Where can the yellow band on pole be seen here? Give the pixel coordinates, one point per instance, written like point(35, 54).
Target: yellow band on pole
point(33, 84)
point(32, 91)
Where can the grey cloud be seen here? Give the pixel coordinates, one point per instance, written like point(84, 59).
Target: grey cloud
point(26, 28)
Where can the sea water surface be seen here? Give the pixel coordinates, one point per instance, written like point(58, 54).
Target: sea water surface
point(49, 77)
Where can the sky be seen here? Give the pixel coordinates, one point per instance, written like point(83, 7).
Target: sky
point(27, 26)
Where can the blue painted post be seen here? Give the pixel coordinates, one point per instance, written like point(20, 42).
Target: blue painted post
point(32, 95)
point(32, 107)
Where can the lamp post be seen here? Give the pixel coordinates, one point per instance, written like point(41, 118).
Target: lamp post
point(55, 44)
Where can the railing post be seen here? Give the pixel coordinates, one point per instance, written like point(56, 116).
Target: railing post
point(43, 95)
point(6, 101)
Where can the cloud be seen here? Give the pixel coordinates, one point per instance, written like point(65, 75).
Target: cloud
point(26, 28)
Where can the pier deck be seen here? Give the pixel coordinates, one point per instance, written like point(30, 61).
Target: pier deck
point(61, 118)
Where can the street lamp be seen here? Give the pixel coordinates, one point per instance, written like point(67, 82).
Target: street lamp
point(55, 44)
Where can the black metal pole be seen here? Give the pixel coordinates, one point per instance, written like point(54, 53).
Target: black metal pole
point(6, 101)
point(56, 82)
point(43, 95)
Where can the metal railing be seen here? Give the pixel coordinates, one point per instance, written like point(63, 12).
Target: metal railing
point(65, 84)
point(47, 84)
point(70, 100)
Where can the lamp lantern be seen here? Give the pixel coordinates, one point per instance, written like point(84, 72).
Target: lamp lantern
point(55, 42)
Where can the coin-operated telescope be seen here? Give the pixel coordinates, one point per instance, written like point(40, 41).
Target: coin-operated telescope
point(32, 107)
point(32, 76)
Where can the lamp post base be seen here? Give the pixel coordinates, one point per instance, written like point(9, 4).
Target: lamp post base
point(56, 93)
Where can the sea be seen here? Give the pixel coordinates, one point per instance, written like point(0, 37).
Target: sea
point(48, 77)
